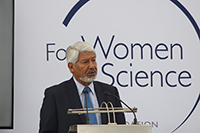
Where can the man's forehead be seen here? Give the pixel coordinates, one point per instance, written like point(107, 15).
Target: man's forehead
point(86, 55)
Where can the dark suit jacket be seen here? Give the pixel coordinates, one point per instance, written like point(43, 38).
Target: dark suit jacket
point(59, 98)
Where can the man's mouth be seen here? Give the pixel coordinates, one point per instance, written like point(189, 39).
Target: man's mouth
point(91, 72)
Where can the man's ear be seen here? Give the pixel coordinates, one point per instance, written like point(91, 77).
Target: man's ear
point(71, 67)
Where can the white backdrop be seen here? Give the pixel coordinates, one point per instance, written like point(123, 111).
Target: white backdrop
point(164, 101)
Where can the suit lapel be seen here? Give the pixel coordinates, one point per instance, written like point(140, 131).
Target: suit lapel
point(99, 92)
point(72, 93)
point(101, 98)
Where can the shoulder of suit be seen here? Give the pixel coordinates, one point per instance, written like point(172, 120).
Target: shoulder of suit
point(59, 85)
point(103, 84)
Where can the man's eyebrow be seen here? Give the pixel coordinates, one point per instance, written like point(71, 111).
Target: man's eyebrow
point(94, 57)
point(86, 59)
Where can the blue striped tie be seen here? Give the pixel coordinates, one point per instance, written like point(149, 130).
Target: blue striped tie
point(92, 116)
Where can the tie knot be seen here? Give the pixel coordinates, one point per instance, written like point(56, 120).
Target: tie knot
point(86, 89)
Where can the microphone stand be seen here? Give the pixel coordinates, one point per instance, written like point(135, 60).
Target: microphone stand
point(135, 119)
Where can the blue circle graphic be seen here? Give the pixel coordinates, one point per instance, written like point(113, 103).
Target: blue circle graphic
point(81, 3)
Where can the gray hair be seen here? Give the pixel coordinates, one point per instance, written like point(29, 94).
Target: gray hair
point(74, 50)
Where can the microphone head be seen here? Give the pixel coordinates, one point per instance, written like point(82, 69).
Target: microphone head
point(106, 93)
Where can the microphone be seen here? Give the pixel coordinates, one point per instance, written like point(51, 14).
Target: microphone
point(87, 117)
point(135, 119)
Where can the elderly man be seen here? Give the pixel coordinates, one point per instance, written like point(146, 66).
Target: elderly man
point(70, 94)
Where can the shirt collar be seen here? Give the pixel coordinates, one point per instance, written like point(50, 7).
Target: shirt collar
point(80, 87)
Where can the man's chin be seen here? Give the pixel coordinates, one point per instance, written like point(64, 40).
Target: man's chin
point(88, 79)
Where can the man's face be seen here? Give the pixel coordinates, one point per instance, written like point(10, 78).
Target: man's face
point(85, 70)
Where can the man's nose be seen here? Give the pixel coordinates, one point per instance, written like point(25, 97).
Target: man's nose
point(91, 64)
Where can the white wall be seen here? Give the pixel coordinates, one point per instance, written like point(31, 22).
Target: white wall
point(39, 23)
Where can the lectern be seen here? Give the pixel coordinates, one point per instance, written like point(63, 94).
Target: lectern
point(110, 127)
